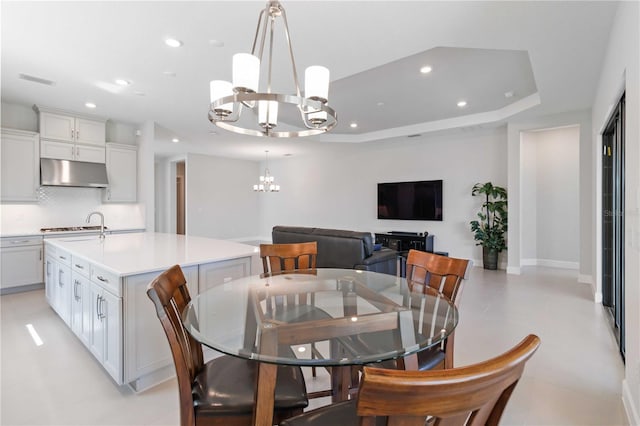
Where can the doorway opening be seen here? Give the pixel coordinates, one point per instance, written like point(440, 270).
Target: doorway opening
point(613, 139)
point(180, 198)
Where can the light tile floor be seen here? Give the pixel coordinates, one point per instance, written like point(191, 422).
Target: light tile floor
point(574, 378)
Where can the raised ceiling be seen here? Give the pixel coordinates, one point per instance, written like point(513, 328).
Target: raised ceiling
point(545, 55)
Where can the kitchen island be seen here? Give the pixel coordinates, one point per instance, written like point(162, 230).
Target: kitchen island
point(98, 288)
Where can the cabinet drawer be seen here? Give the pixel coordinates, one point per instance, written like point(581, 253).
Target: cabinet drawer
point(63, 257)
point(80, 266)
point(105, 279)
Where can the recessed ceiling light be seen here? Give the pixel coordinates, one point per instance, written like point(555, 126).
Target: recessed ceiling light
point(175, 140)
point(380, 104)
point(172, 42)
point(216, 43)
point(169, 73)
point(90, 105)
point(508, 94)
point(462, 104)
point(425, 70)
point(353, 125)
point(122, 82)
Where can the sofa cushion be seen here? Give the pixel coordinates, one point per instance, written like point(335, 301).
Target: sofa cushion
point(365, 237)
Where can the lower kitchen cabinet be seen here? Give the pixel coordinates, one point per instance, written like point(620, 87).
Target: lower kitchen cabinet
point(92, 312)
point(62, 292)
point(81, 307)
point(106, 330)
point(21, 262)
point(112, 315)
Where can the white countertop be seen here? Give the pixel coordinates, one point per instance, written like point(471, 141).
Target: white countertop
point(138, 253)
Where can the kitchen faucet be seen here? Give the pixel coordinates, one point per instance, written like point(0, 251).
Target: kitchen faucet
point(101, 222)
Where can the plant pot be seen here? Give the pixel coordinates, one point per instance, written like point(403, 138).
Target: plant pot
point(489, 258)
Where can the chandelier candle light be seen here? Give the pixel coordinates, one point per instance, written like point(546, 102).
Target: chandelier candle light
point(228, 99)
point(267, 183)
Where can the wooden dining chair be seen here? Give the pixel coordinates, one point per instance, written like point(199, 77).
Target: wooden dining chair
point(446, 275)
point(220, 391)
point(473, 395)
point(288, 257)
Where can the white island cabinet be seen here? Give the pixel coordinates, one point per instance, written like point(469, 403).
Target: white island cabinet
point(98, 287)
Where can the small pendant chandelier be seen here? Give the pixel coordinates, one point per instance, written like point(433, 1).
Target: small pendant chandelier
point(266, 182)
point(228, 99)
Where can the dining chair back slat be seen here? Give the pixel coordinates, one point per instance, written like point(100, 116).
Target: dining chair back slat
point(288, 257)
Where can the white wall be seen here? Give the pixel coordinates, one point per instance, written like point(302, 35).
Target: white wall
point(220, 199)
point(337, 187)
point(621, 70)
point(550, 197)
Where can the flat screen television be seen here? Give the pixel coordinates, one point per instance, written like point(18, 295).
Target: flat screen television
point(421, 200)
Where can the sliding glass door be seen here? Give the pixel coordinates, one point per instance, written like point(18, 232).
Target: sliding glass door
point(613, 222)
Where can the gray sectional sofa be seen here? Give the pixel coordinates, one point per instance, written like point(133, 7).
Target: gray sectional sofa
point(340, 249)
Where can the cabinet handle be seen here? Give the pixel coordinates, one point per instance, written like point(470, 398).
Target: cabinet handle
point(75, 287)
point(73, 133)
point(98, 306)
point(62, 257)
point(40, 256)
point(101, 278)
point(102, 314)
point(19, 241)
point(79, 266)
point(60, 272)
point(48, 268)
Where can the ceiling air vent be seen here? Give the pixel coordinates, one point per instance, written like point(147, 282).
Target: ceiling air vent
point(31, 78)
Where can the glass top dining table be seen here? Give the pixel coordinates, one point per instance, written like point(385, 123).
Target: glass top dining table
point(318, 317)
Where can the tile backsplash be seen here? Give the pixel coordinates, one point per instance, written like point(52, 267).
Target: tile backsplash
point(60, 206)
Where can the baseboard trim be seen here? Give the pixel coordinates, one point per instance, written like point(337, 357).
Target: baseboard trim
point(561, 264)
point(629, 406)
point(21, 288)
point(513, 270)
point(549, 263)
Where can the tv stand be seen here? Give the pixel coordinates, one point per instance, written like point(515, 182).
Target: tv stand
point(405, 241)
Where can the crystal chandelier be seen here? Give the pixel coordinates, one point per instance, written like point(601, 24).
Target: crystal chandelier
point(229, 99)
point(266, 183)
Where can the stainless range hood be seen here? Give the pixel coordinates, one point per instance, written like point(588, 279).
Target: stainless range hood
point(55, 172)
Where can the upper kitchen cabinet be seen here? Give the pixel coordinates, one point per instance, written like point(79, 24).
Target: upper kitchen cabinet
point(122, 172)
point(20, 168)
point(70, 136)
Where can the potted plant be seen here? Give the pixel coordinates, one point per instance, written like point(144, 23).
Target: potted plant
point(491, 228)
